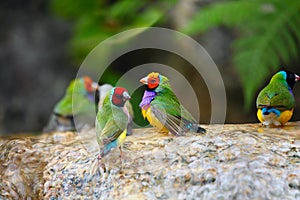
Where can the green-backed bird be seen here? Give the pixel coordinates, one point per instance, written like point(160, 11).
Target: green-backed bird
point(162, 108)
point(112, 120)
point(103, 90)
point(276, 102)
point(62, 118)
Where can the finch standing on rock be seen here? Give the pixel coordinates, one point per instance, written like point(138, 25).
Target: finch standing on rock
point(163, 110)
point(62, 118)
point(276, 102)
point(112, 120)
point(103, 90)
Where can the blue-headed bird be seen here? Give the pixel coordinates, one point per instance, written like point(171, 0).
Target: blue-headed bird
point(276, 102)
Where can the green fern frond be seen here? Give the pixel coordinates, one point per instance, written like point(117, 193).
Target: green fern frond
point(70, 9)
point(230, 13)
point(271, 45)
point(96, 20)
point(150, 17)
point(293, 26)
point(269, 36)
point(120, 10)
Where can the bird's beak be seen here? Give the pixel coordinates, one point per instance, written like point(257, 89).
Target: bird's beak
point(126, 96)
point(95, 86)
point(297, 78)
point(144, 80)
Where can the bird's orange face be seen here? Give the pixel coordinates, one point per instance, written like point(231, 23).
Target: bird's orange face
point(152, 80)
point(89, 85)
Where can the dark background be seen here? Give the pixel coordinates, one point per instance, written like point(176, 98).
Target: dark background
point(37, 65)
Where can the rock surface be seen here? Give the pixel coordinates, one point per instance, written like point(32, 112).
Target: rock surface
point(243, 161)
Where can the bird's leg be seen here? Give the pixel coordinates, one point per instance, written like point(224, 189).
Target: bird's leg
point(100, 164)
point(99, 157)
point(121, 156)
point(99, 161)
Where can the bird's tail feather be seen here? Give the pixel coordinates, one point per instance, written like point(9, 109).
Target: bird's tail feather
point(200, 129)
point(195, 128)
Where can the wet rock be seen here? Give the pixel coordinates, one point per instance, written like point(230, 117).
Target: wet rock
point(228, 162)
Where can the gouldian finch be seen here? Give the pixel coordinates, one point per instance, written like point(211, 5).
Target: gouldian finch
point(112, 120)
point(276, 102)
point(103, 90)
point(163, 110)
point(63, 113)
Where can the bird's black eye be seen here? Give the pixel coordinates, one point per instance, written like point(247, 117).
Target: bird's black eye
point(152, 81)
point(292, 76)
point(118, 96)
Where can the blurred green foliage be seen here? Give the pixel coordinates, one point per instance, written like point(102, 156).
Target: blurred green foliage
point(97, 20)
point(268, 36)
point(268, 30)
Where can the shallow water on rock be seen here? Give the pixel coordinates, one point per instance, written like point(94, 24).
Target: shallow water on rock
point(243, 161)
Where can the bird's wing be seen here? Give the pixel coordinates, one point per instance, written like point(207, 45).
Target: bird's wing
point(130, 109)
point(283, 101)
point(167, 109)
point(171, 122)
point(64, 106)
point(263, 99)
point(275, 96)
point(110, 132)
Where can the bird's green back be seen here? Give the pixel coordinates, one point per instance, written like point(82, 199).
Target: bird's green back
point(83, 104)
point(276, 94)
point(167, 99)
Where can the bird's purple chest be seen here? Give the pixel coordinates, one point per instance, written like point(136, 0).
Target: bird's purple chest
point(147, 98)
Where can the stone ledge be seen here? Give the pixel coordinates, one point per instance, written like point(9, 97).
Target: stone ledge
point(241, 161)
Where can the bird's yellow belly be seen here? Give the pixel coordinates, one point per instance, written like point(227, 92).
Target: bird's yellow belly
point(153, 120)
point(272, 118)
point(121, 138)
